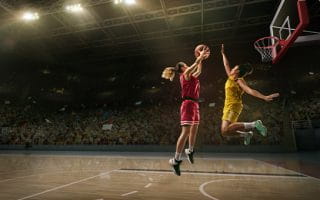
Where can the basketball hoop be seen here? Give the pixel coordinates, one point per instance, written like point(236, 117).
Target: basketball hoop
point(267, 47)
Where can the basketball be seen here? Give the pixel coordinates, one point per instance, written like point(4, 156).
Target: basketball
point(199, 48)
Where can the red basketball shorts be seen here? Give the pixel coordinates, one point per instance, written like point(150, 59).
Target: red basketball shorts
point(189, 112)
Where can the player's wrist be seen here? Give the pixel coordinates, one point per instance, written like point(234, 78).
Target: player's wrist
point(265, 98)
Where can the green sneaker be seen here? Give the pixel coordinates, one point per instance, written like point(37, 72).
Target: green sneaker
point(247, 138)
point(261, 128)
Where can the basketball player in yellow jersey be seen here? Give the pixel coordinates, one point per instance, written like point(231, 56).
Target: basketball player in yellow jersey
point(235, 86)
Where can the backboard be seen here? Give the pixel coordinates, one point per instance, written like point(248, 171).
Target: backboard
point(289, 22)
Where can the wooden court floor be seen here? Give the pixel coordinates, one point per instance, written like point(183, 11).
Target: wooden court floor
point(136, 176)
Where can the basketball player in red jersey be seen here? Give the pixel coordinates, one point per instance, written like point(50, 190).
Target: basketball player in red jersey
point(189, 110)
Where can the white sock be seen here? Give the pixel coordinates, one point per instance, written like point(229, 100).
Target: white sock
point(243, 133)
point(249, 125)
point(177, 156)
point(190, 149)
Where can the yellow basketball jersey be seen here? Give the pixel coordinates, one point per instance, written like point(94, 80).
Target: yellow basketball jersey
point(233, 92)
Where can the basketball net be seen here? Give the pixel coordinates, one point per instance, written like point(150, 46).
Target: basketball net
point(267, 47)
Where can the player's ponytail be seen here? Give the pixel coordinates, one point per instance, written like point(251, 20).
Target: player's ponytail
point(170, 72)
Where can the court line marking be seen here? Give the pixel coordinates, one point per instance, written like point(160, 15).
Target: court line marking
point(295, 174)
point(302, 174)
point(123, 155)
point(148, 185)
point(213, 173)
point(57, 172)
point(201, 187)
point(66, 185)
point(12, 179)
point(126, 194)
point(18, 170)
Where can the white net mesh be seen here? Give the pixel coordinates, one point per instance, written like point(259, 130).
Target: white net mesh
point(267, 47)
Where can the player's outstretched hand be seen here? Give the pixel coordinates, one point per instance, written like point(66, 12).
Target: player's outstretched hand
point(222, 48)
point(203, 52)
point(271, 97)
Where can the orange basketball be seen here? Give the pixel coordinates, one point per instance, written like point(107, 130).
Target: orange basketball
point(199, 48)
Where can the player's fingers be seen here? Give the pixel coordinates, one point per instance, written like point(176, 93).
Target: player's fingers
point(269, 98)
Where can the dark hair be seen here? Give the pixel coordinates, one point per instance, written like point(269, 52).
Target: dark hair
point(178, 67)
point(245, 69)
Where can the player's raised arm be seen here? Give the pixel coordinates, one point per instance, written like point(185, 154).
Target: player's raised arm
point(225, 61)
point(197, 73)
point(254, 92)
point(190, 70)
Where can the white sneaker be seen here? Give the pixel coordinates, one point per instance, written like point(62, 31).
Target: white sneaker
point(189, 155)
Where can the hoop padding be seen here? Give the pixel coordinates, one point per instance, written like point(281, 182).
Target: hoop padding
point(267, 47)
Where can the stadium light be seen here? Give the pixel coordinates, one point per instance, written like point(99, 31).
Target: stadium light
point(74, 8)
point(30, 16)
point(128, 2)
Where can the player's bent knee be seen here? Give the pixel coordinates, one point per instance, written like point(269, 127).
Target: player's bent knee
point(224, 131)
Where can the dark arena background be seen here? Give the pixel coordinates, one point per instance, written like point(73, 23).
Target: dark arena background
point(85, 113)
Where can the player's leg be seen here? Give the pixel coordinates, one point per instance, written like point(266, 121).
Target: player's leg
point(232, 112)
point(230, 127)
point(186, 114)
point(193, 133)
point(238, 127)
point(185, 133)
point(192, 140)
point(176, 161)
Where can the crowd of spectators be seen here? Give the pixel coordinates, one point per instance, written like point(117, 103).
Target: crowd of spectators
point(306, 109)
point(29, 125)
point(139, 124)
point(152, 119)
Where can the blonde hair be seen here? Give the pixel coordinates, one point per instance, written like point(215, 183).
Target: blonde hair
point(169, 73)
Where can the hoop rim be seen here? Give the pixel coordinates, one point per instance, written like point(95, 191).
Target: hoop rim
point(267, 47)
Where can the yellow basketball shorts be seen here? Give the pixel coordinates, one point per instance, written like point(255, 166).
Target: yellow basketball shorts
point(231, 112)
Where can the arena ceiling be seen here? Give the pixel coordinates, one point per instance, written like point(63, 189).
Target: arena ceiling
point(109, 31)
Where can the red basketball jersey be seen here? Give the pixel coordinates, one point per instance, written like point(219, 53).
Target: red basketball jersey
point(190, 88)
